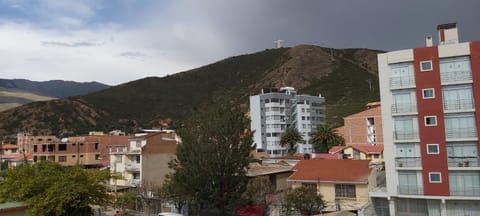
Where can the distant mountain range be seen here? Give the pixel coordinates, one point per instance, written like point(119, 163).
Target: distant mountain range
point(347, 78)
point(15, 92)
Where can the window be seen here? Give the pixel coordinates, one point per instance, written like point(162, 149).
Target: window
point(62, 147)
point(118, 159)
point(137, 159)
point(426, 66)
point(432, 149)
point(309, 185)
point(455, 69)
point(138, 144)
point(97, 157)
point(435, 177)
point(464, 183)
point(457, 97)
point(345, 191)
point(81, 155)
point(62, 158)
point(35, 148)
point(430, 120)
point(428, 93)
point(96, 145)
point(460, 126)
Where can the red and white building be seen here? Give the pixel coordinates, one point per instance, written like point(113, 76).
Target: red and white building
point(430, 97)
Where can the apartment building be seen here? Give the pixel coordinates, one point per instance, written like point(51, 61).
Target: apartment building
point(90, 151)
point(364, 127)
point(430, 97)
point(144, 160)
point(274, 110)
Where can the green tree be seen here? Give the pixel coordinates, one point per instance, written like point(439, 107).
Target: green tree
point(213, 158)
point(324, 138)
point(259, 191)
point(306, 200)
point(174, 193)
point(49, 189)
point(124, 200)
point(290, 138)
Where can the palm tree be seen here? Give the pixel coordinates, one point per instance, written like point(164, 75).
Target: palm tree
point(290, 137)
point(324, 138)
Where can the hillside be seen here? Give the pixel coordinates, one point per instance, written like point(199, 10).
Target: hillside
point(342, 76)
point(52, 88)
point(11, 99)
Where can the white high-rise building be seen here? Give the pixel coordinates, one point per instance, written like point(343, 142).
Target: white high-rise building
point(274, 110)
point(430, 96)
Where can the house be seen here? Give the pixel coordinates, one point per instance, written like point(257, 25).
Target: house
point(14, 160)
point(359, 151)
point(276, 172)
point(6, 149)
point(344, 184)
point(430, 96)
point(145, 159)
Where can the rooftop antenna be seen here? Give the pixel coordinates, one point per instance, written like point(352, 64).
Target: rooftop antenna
point(278, 43)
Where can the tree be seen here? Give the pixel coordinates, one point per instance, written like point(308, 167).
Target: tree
point(324, 138)
point(291, 137)
point(259, 191)
point(125, 199)
point(306, 200)
point(213, 157)
point(48, 188)
point(174, 193)
point(149, 196)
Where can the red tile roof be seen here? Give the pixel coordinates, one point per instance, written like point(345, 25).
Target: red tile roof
point(352, 171)
point(368, 149)
point(365, 148)
point(335, 149)
point(21, 157)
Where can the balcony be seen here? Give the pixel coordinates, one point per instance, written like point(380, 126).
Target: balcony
point(455, 76)
point(455, 133)
point(402, 82)
point(405, 135)
point(410, 190)
point(463, 162)
point(464, 104)
point(465, 191)
point(134, 167)
point(403, 108)
point(408, 162)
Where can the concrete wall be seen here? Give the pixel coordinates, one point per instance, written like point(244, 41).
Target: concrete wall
point(155, 157)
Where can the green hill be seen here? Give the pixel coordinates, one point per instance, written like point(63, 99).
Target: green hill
point(341, 76)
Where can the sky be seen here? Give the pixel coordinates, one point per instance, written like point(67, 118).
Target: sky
point(117, 41)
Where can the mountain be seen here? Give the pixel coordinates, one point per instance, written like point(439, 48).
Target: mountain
point(347, 78)
point(52, 88)
point(11, 99)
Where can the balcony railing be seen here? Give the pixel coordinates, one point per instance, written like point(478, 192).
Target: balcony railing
point(455, 76)
point(405, 135)
point(465, 191)
point(398, 82)
point(132, 167)
point(410, 190)
point(408, 162)
point(467, 132)
point(458, 104)
point(403, 108)
point(463, 162)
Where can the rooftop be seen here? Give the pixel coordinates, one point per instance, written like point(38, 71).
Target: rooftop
point(365, 148)
point(257, 169)
point(352, 171)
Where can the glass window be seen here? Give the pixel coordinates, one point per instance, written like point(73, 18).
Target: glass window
point(457, 97)
point(461, 149)
point(430, 120)
point(435, 177)
point(428, 93)
point(460, 126)
point(426, 66)
point(455, 69)
point(345, 191)
point(432, 149)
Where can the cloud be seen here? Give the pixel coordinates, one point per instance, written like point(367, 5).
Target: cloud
point(74, 44)
point(133, 55)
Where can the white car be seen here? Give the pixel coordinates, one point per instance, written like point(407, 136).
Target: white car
point(169, 214)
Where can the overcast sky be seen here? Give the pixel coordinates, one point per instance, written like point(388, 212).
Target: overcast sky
point(123, 40)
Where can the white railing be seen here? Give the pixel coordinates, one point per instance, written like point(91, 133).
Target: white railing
point(398, 82)
point(405, 135)
point(467, 132)
point(132, 167)
point(408, 162)
point(403, 108)
point(410, 190)
point(458, 104)
point(463, 162)
point(455, 76)
point(465, 191)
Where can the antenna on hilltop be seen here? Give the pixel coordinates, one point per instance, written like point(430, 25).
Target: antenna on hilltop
point(278, 43)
